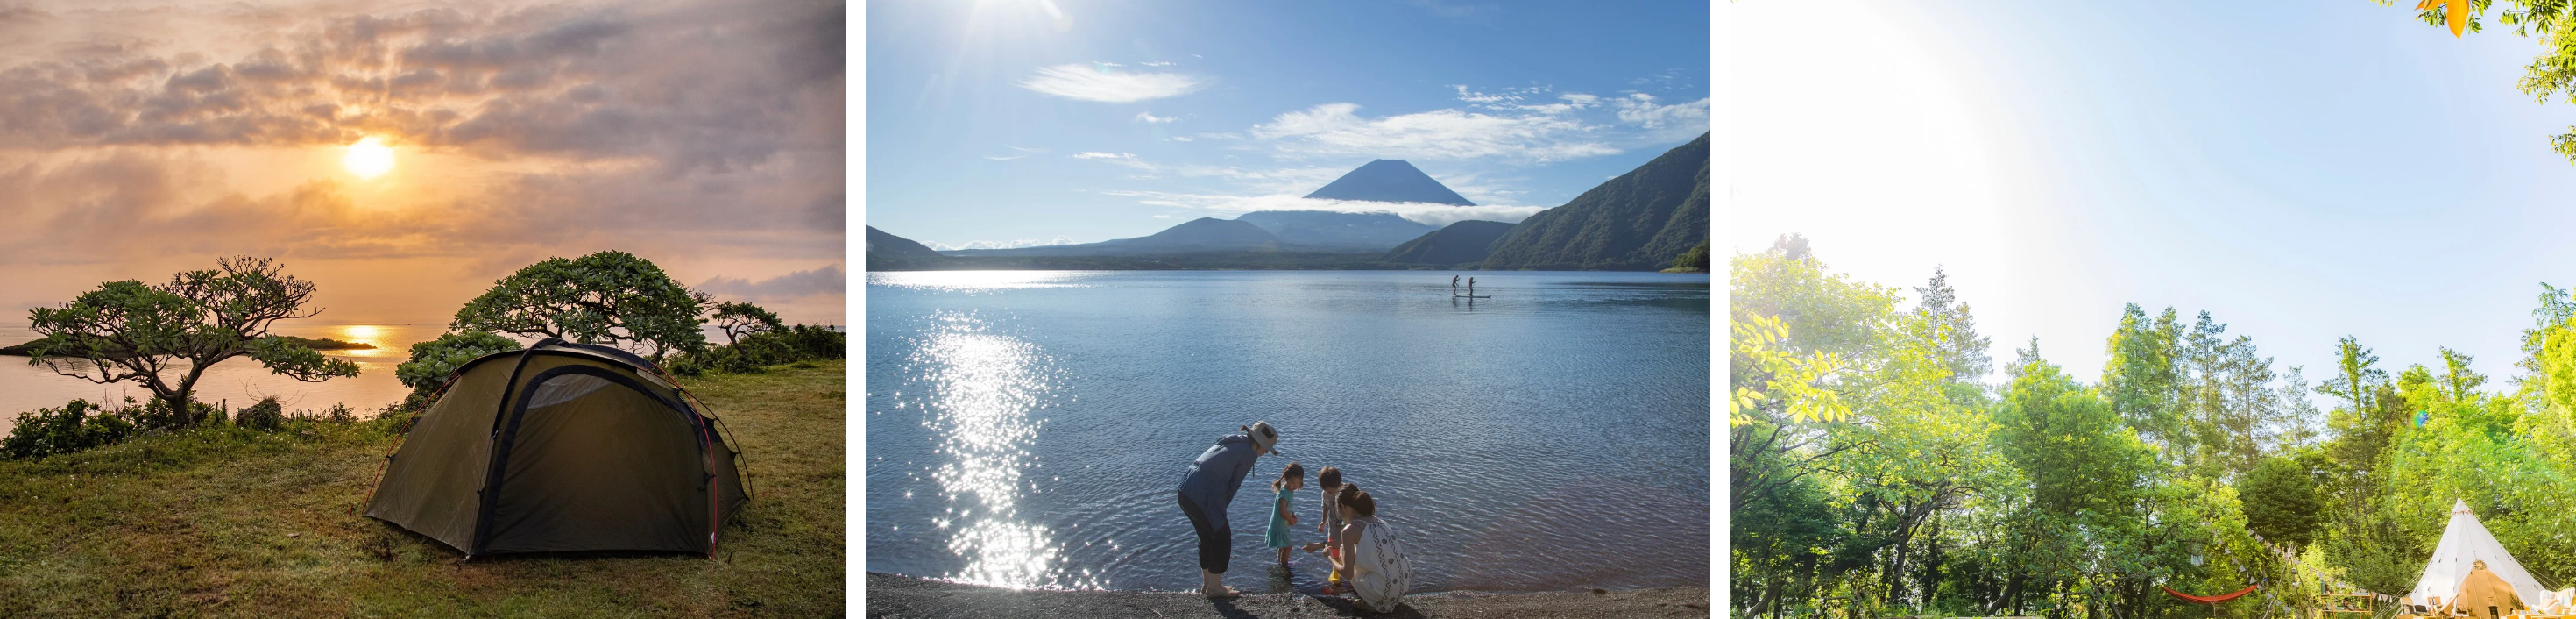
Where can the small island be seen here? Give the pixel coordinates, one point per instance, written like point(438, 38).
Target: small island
point(23, 349)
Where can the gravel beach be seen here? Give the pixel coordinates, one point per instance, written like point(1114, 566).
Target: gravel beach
point(892, 596)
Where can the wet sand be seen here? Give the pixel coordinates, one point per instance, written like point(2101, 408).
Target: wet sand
point(892, 596)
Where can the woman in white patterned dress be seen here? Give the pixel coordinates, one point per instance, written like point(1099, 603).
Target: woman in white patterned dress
point(1379, 573)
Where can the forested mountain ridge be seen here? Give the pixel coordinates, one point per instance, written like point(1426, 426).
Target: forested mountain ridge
point(887, 252)
point(1459, 243)
point(1638, 221)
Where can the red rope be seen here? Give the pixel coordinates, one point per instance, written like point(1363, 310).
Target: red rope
point(2209, 600)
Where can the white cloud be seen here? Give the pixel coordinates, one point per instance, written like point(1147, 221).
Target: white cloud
point(1179, 138)
point(826, 280)
point(1162, 217)
point(1151, 118)
point(1095, 83)
point(1157, 64)
point(1477, 97)
point(1026, 150)
point(1221, 136)
point(1124, 159)
point(1335, 129)
point(1426, 213)
point(1679, 121)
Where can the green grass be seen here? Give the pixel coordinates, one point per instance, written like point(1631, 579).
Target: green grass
point(232, 523)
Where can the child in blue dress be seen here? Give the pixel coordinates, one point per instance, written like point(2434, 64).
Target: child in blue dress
point(1281, 519)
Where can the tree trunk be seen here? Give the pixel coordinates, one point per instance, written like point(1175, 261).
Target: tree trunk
point(2012, 589)
point(178, 398)
point(1770, 595)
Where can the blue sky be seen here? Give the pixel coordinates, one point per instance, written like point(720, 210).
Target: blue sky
point(1028, 120)
point(2303, 170)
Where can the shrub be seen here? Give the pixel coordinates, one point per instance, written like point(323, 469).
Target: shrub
point(399, 416)
point(340, 413)
point(432, 361)
point(819, 343)
point(76, 426)
point(686, 364)
point(155, 414)
point(754, 353)
point(265, 416)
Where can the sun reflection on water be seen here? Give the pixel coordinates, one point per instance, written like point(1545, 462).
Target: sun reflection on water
point(983, 389)
point(371, 335)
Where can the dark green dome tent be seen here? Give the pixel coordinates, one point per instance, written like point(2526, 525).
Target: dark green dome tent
point(562, 447)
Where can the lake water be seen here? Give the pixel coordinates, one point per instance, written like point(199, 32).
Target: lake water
point(239, 381)
point(1028, 429)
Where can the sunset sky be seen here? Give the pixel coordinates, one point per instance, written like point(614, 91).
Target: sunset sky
point(1021, 121)
point(141, 138)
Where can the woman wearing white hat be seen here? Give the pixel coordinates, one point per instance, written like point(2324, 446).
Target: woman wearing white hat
point(1209, 488)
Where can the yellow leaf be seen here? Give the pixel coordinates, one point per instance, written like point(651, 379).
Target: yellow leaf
point(2459, 16)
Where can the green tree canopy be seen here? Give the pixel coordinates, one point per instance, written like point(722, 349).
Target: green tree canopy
point(610, 297)
point(2281, 502)
point(1694, 260)
point(126, 331)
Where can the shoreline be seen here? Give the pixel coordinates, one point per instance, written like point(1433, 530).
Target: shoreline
point(21, 349)
point(893, 596)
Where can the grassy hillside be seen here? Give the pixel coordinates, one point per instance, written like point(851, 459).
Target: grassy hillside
point(230, 522)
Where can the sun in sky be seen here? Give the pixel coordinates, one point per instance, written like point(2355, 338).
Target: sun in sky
point(369, 158)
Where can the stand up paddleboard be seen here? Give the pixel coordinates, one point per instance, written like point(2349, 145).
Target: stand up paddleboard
point(1471, 296)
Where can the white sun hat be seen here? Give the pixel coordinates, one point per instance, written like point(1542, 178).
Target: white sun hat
point(1263, 436)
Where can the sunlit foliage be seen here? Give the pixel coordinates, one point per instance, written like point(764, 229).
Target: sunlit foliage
point(1878, 467)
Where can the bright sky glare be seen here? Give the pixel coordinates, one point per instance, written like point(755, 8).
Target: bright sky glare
point(2303, 170)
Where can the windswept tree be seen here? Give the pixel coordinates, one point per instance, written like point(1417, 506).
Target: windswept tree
point(610, 297)
point(165, 337)
point(737, 319)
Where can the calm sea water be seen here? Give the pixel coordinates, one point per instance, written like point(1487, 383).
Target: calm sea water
point(1029, 428)
point(239, 381)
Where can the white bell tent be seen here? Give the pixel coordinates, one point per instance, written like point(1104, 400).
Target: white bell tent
point(2465, 542)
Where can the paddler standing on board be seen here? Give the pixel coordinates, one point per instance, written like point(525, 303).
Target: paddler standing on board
point(1453, 285)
